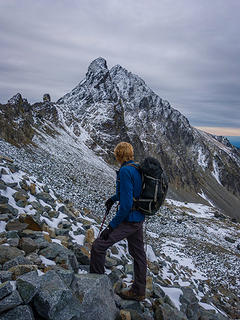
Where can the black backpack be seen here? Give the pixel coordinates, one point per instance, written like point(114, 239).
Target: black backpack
point(154, 187)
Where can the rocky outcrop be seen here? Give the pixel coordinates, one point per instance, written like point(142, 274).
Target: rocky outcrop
point(46, 97)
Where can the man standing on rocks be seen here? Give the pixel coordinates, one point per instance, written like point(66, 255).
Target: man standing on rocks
point(127, 223)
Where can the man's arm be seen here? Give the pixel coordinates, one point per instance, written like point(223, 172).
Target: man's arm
point(126, 197)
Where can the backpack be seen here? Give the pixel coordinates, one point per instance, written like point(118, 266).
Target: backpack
point(154, 187)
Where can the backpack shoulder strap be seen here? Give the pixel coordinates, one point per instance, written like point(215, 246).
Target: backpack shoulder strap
point(136, 166)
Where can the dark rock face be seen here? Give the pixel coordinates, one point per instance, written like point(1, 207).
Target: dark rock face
point(96, 296)
point(7, 253)
point(55, 300)
point(19, 313)
point(46, 97)
point(11, 301)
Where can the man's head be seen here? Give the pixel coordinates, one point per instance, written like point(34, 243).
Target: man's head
point(124, 152)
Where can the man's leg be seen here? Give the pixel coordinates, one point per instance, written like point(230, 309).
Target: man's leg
point(136, 249)
point(100, 246)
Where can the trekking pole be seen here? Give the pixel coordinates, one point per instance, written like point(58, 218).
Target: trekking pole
point(104, 218)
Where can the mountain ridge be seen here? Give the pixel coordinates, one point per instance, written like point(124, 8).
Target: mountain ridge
point(110, 106)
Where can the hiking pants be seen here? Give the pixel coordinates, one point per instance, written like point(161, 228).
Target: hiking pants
point(133, 231)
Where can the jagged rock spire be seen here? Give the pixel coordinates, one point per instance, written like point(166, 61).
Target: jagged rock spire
point(16, 99)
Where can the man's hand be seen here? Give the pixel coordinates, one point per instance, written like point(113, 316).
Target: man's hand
point(109, 203)
point(106, 232)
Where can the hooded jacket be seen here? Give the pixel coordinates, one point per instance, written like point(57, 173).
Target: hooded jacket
point(128, 186)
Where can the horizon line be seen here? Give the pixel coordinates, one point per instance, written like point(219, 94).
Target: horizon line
point(221, 131)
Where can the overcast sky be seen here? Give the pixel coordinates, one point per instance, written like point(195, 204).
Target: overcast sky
point(187, 51)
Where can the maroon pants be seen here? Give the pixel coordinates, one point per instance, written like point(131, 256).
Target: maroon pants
point(133, 231)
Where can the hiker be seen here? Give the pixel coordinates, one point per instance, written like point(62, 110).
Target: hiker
point(127, 223)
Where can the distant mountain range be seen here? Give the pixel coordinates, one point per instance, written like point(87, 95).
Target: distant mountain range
point(109, 106)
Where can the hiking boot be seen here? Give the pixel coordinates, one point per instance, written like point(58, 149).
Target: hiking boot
point(129, 294)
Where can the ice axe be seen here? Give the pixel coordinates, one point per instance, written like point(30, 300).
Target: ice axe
point(104, 218)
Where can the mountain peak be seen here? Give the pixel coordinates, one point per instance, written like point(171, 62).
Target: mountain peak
point(97, 65)
point(16, 99)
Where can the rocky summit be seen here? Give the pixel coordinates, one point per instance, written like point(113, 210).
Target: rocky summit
point(56, 171)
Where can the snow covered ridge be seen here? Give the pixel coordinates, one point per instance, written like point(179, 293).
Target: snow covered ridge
point(44, 238)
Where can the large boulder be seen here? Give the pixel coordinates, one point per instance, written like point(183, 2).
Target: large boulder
point(28, 285)
point(96, 295)
point(11, 301)
point(5, 289)
point(7, 253)
point(18, 313)
point(54, 300)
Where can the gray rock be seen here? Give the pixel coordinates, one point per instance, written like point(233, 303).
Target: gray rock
point(45, 197)
point(5, 289)
point(115, 275)
point(13, 242)
point(6, 208)
point(2, 185)
point(81, 254)
point(55, 300)
point(60, 253)
point(66, 275)
point(130, 305)
point(164, 311)
point(62, 232)
point(4, 217)
point(16, 225)
point(111, 262)
point(157, 291)
point(21, 203)
point(21, 195)
point(13, 168)
point(28, 245)
point(12, 234)
point(34, 258)
point(189, 302)
point(5, 276)
point(46, 189)
point(211, 315)
point(3, 171)
point(37, 206)
point(23, 184)
point(11, 301)
point(28, 285)
point(20, 260)
point(96, 295)
point(230, 239)
point(12, 184)
point(3, 199)
point(84, 267)
point(18, 313)
point(7, 253)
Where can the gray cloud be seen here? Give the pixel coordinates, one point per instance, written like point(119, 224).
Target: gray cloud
point(186, 51)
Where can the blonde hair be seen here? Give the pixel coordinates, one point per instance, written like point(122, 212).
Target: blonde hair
point(124, 152)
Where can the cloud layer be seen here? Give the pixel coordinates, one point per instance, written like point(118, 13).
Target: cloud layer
point(186, 51)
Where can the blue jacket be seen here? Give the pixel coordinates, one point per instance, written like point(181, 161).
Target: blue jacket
point(128, 185)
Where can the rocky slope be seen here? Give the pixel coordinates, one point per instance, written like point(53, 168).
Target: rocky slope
point(109, 106)
point(44, 259)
